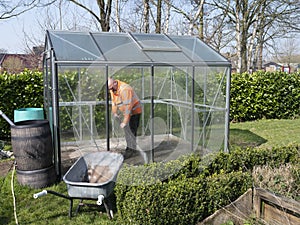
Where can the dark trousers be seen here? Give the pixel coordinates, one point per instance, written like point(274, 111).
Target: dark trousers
point(131, 131)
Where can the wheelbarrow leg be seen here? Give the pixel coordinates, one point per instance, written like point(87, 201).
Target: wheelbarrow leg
point(79, 205)
point(109, 211)
point(71, 207)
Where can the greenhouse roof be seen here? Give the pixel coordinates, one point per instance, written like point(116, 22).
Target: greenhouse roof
point(130, 48)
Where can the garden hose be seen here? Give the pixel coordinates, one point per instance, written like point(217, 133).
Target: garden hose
point(13, 193)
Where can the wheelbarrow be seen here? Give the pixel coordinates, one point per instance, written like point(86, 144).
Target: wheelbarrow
point(91, 177)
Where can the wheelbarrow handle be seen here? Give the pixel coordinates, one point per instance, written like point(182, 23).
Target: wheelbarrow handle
point(40, 194)
point(44, 192)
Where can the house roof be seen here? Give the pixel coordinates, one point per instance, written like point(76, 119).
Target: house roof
point(2, 56)
point(271, 64)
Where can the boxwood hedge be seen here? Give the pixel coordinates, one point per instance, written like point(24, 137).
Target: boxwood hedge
point(196, 190)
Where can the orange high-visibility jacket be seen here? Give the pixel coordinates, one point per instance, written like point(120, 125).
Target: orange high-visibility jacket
point(126, 100)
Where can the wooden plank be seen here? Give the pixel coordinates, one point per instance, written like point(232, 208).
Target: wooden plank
point(283, 202)
point(275, 216)
point(274, 209)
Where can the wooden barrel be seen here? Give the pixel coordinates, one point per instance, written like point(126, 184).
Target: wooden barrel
point(32, 144)
point(37, 178)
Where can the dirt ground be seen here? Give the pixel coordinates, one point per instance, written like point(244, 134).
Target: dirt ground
point(6, 166)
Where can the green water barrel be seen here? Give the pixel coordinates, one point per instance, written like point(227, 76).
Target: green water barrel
point(24, 114)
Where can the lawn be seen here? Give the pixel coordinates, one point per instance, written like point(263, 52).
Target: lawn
point(265, 133)
point(51, 209)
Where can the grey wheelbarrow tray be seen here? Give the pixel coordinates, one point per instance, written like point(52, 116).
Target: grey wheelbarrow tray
point(77, 182)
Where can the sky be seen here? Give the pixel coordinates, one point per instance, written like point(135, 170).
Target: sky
point(12, 37)
point(12, 32)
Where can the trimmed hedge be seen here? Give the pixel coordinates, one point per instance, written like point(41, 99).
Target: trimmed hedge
point(21, 90)
point(269, 95)
point(196, 190)
point(181, 201)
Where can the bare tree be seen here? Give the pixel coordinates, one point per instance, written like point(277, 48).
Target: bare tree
point(241, 15)
point(194, 16)
point(9, 9)
point(289, 51)
point(118, 20)
point(277, 19)
point(3, 50)
point(256, 23)
point(105, 12)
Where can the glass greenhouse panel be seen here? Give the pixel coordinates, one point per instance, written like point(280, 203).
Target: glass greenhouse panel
point(120, 48)
point(210, 104)
point(74, 46)
point(82, 104)
point(48, 91)
point(168, 57)
point(155, 42)
point(197, 50)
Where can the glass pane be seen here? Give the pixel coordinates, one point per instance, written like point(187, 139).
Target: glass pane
point(155, 42)
point(82, 107)
point(168, 57)
point(197, 50)
point(119, 47)
point(210, 106)
point(73, 46)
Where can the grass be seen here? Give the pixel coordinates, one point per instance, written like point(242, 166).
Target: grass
point(265, 133)
point(51, 209)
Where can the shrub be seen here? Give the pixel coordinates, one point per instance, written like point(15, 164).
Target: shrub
point(180, 201)
point(21, 90)
point(283, 180)
point(264, 95)
point(195, 190)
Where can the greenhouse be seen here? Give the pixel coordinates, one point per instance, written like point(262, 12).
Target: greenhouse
point(182, 83)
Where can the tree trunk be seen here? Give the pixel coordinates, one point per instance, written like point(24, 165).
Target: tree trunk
point(105, 12)
point(243, 52)
point(167, 22)
point(158, 17)
point(146, 16)
point(201, 23)
point(118, 16)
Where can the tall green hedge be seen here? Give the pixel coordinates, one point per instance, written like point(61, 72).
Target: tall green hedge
point(21, 90)
point(264, 95)
point(252, 96)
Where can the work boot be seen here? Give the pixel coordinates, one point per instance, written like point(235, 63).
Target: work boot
point(129, 152)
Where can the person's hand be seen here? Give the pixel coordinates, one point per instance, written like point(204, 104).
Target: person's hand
point(116, 115)
point(122, 125)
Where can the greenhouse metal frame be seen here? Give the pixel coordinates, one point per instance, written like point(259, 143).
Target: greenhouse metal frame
point(183, 85)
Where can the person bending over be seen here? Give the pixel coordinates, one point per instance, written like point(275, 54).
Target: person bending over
point(125, 100)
